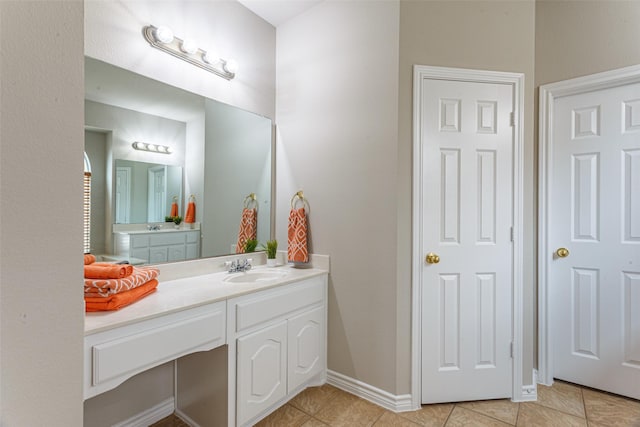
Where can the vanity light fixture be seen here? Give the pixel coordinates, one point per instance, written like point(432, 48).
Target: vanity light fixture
point(162, 38)
point(153, 148)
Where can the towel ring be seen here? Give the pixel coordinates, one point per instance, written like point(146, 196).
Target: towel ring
point(299, 197)
point(251, 198)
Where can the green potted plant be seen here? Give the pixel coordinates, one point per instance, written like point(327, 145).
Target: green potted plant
point(271, 247)
point(168, 219)
point(177, 220)
point(250, 245)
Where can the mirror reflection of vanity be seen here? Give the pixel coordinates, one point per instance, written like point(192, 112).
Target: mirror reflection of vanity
point(219, 155)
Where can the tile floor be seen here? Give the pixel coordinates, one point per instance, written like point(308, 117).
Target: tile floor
point(563, 404)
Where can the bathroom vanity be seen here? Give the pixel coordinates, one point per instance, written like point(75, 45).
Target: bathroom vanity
point(269, 325)
point(155, 246)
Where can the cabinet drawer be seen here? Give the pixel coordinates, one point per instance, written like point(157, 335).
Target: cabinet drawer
point(176, 253)
point(272, 304)
point(167, 239)
point(192, 237)
point(139, 241)
point(114, 356)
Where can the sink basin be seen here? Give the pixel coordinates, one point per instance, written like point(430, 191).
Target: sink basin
point(256, 276)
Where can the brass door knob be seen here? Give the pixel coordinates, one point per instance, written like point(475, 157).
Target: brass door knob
point(562, 252)
point(432, 258)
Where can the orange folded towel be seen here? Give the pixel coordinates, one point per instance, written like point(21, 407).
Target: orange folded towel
point(117, 301)
point(103, 270)
point(89, 259)
point(190, 216)
point(248, 228)
point(297, 236)
point(106, 287)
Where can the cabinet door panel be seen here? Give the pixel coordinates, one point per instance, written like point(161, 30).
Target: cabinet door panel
point(306, 347)
point(261, 370)
point(158, 254)
point(176, 253)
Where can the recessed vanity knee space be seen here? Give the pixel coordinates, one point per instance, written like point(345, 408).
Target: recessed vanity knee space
point(244, 343)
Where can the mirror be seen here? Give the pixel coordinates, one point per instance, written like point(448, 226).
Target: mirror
point(220, 155)
point(144, 192)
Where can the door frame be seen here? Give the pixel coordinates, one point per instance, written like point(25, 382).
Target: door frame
point(548, 95)
point(516, 80)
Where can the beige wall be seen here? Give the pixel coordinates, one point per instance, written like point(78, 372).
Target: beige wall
point(486, 35)
point(577, 38)
point(337, 91)
point(41, 140)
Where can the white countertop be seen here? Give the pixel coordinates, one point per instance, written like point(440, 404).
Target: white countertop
point(188, 292)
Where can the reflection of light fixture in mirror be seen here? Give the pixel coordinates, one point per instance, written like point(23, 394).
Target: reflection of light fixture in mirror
point(162, 38)
point(153, 148)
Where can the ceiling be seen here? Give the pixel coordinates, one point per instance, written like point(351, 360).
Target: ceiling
point(277, 12)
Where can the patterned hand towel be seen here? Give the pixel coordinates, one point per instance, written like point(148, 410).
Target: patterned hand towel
point(122, 299)
point(248, 228)
point(297, 236)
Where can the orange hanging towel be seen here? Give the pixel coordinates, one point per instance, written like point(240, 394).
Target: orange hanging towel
point(190, 216)
point(248, 228)
point(297, 236)
point(174, 209)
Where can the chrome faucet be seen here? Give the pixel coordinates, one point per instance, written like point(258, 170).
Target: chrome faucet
point(239, 265)
point(153, 227)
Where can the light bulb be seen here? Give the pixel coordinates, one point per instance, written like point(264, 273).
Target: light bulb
point(208, 58)
point(151, 147)
point(163, 35)
point(169, 150)
point(230, 66)
point(189, 46)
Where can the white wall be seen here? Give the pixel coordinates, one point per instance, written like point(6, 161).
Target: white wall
point(337, 117)
point(41, 166)
point(113, 33)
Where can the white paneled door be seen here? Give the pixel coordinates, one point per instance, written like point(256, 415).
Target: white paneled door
point(594, 239)
point(467, 219)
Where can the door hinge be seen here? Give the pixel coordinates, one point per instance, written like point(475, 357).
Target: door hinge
point(511, 349)
point(512, 119)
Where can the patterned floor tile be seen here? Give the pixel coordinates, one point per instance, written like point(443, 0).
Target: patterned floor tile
point(461, 417)
point(608, 410)
point(562, 396)
point(430, 415)
point(287, 415)
point(389, 419)
point(503, 409)
point(312, 399)
point(534, 415)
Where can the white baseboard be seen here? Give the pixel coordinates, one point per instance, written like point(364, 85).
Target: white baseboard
point(529, 392)
point(184, 417)
point(151, 415)
point(401, 403)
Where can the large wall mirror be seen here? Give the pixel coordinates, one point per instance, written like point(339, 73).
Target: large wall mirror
point(219, 155)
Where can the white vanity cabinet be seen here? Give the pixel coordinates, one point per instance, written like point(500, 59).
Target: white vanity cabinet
point(157, 247)
point(114, 355)
point(280, 336)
